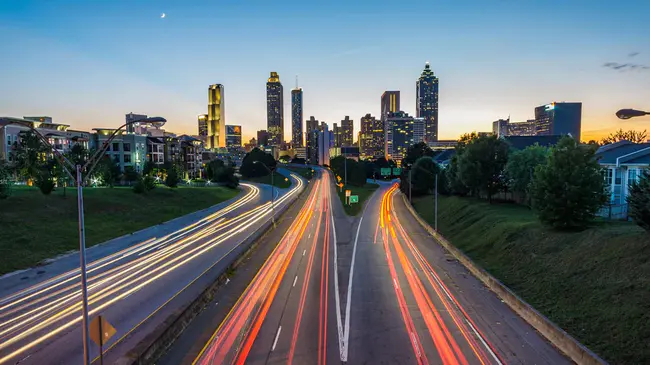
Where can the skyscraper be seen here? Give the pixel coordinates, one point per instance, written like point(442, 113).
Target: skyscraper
point(427, 103)
point(312, 140)
point(216, 118)
point(262, 138)
point(401, 133)
point(346, 132)
point(389, 104)
point(275, 110)
point(336, 135)
point(203, 126)
point(296, 117)
point(371, 139)
point(558, 119)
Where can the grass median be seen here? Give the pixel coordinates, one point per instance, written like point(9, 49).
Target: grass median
point(279, 180)
point(305, 172)
point(593, 284)
point(363, 192)
point(34, 227)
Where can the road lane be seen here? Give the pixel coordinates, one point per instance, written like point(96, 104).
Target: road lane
point(41, 324)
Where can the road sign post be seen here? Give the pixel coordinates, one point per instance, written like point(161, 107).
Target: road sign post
point(347, 196)
point(354, 199)
point(100, 332)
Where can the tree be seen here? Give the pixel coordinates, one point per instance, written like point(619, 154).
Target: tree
point(78, 155)
point(29, 155)
point(108, 171)
point(568, 190)
point(5, 180)
point(218, 171)
point(481, 165)
point(172, 178)
point(212, 169)
point(521, 166)
point(298, 160)
point(620, 135)
point(251, 169)
point(148, 168)
point(130, 175)
point(416, 151)
point(639, 201)
point(423, 177)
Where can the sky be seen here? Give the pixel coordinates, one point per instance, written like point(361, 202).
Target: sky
point(88, 63)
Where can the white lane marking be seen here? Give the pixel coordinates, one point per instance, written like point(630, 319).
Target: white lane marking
point(304, 252)
point(396, 285)
point(349, 298)
point(415, 343)
point(337, 300)
point(294, 280)
point(308, 237)
point(277, 335)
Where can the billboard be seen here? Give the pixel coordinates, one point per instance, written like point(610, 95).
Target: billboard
point(233, 130)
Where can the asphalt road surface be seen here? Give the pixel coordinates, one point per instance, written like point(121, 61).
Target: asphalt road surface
point(135, 288)
point(372, 290)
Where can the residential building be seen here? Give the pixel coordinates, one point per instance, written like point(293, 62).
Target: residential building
point(134, 127)
point(371, 138)
point(427, 102)
point(623, 163)
point(216, 117)
point(203, 127)
point(559, 119)
point(128, 150)
point(156, 150)
point(296, 118)
point(262, 138)
point(346, 132)
point(399, 135)
point(191, 158)
point(389, 104)
point(172, 150)
point(233, 136)
point(275, 110)
point(336, 135)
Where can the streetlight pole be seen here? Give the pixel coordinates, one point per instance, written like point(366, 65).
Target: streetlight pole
point(272, 190)
point(410, 185)
point(630, 113)
point(436, 207)
point(89, 166)
point(345, 169)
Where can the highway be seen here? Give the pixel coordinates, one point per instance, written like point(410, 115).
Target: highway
point(135, 288)
point(372, 290)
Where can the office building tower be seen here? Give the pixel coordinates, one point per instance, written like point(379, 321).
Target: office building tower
point(500, 127)
point(262, 138)
point(203, 126)
point(296, 117)
point(275, 110)
point(427, 102)
point(526, 128)
point(336, 135)
point(371, 139)
point(389, 104)
point(324, 144)
point(558, 119)
point(399, 135)
point(216, 118)
point(346, 132)
point(233, 136)
point(312, 140)
point(419, 130)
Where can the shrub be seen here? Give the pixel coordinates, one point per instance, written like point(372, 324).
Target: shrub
point(149, 182)
point(46, 185)
point(172, 178)
point(639, 201)
point(139, 187)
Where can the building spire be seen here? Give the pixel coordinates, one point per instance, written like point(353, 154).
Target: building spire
point(296, 81)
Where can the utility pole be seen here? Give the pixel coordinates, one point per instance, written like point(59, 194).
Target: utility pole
point(436, 207)
point(410, 185)
point(345, 158)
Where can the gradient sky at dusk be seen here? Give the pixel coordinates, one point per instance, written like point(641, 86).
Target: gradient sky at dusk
point(87, 63)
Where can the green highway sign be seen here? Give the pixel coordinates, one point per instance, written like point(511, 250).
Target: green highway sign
point(397, 171)
point(385, 171)
point(354, 199)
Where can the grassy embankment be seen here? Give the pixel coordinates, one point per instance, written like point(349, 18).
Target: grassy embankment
point(34, 227)
point(595, 284)
point(279, 180)
point(363, 192)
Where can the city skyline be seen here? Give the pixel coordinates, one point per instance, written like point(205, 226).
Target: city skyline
point(489, 70)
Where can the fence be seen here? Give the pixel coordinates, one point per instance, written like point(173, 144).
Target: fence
point(614, 211)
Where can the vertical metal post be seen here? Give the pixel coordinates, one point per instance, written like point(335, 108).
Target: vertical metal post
point(101, 342)
point(410, 185)
point(82, 261)
point(345, 159)
point(436, 214)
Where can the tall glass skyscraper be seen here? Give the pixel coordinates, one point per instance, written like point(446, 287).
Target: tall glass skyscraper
point(427, 103)
point(275, 110)
point(389, 104)
point(296, 117)
point(559, 119)
point(216, 118)
point(346, 132)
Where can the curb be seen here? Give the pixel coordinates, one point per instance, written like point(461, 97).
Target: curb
point(156, 344)
point(554, 334)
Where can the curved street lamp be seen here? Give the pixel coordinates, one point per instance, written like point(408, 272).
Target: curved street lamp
point(630, 113)
point(272, 190)
point(89, 166)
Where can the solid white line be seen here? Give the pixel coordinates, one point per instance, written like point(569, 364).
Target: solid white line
point(349, 298)
point(337, 299)
point(277, 335)
point(304, 252)
point(294, 280)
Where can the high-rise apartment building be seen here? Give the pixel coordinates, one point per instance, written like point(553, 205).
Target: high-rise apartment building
point(558, 119)
point(401, 133)
point(346, 132)
point(233, 136)
point(427, 102)
point(371, 137)
point(262, 138)
point(389, 104)
point(216, 118)
point(296, 117)
point(275, 110)
point(203, 126)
